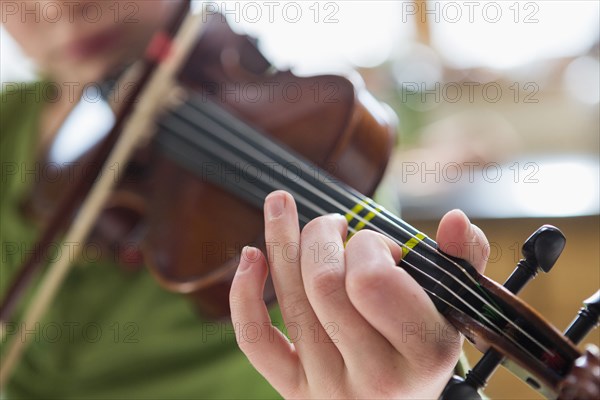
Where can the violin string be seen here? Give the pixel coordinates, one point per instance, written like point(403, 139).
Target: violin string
point(321, 211)
point(210, 111)
point(241, 136)
point(302, 200)
point(243, 148)
point(258, 197)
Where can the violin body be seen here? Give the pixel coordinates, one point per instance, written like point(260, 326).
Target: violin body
point(181, 224)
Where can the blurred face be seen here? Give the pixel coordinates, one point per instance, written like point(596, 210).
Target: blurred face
point(84, 40)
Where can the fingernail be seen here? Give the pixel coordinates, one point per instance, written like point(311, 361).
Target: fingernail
point(462, 214)
point(337, 216)
point(249, 256)
point(274, 206)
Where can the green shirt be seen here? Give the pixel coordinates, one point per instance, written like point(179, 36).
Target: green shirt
point(110, 333)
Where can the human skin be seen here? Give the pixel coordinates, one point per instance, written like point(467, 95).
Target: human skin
point(84, 40)
point(359, 296)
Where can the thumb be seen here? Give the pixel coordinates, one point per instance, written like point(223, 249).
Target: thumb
point(458, 237)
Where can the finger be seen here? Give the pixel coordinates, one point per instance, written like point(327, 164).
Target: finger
point(457, 237)
point(324, 275)
point(396, 305)
point(265, 346)
point(282, 234)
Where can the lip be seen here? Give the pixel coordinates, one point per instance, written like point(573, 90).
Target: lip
point(95, 44)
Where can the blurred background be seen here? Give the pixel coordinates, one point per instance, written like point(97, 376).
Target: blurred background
point(498, 106)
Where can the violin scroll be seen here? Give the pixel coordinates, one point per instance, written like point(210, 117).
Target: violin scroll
point(583, 382)
point(559, 369)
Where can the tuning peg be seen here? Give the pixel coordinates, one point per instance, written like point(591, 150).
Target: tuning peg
point(541, 250)
point(458, 389)
point(593, 303)
point(586, 319)
point(544, 247)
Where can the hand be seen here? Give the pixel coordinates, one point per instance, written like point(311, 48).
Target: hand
point(362, 327)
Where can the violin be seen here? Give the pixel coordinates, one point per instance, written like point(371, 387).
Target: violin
point(351, 137)
point(210, 163)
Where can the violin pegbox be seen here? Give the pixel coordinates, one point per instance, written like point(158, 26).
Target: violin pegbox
point(540, 251)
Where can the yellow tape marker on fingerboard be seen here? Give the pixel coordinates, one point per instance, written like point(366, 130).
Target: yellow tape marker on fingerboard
point(355, 210)
point(408, 246)
point(354, 214)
